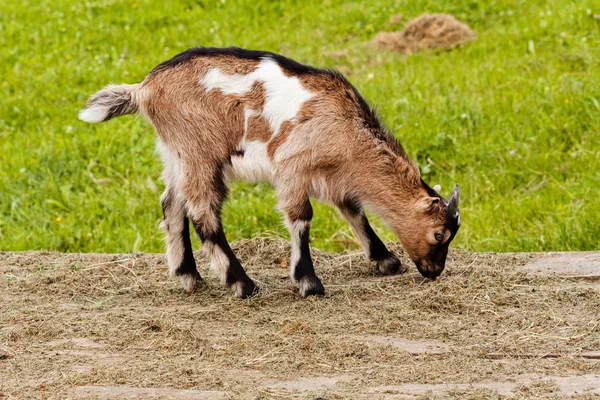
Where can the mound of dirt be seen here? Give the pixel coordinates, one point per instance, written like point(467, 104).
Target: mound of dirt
point(427, 31)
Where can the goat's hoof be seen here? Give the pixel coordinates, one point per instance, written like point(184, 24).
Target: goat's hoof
point(245, 288)
point(191, 282)
point(311, 286)
point(390, 265)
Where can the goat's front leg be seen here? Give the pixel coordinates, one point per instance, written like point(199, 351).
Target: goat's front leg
point(375, 250)
point(175, 224)
point(205, 197)
point(298, 216)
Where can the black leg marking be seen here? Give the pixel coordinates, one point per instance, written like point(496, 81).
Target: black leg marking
point(351, 207)
point(303, 270)
point(387, 262)
point(224, 260)
point(304, 266)
point(188, 264)
point(306, 213)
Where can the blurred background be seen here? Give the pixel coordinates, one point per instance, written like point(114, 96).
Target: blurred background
point(513, 117)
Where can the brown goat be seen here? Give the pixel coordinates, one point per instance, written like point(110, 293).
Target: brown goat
point(224, 114)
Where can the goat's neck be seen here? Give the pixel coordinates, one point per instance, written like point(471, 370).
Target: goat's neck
point(393, 197)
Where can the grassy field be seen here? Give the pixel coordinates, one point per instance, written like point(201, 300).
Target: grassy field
point(514, 117)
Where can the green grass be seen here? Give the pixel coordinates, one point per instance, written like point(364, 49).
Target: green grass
point(514, 117)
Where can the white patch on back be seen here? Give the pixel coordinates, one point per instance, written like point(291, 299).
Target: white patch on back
point(284, 95)
point(228, 84)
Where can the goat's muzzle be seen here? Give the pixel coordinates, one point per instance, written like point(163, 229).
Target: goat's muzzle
point(432, 266)
point(429, 271)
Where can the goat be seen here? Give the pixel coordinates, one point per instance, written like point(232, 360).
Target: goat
point(226, 114)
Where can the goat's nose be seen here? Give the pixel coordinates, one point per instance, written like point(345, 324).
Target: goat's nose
point(427, 270)
point(430, 274)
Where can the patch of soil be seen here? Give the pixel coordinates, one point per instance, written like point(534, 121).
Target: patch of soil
point(532, 385)
point(123, 392)
point(413, 347)
point(427, 31)
point(116, 326)
point(582, 265)
point(312, 383)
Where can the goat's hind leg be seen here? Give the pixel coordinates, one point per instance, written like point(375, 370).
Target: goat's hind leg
point(205, 195)
point(175, 224)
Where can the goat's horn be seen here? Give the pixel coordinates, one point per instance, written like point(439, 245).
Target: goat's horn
point(453, 202)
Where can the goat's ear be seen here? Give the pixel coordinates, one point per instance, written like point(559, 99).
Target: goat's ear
point(437, 189)
point(426, 203)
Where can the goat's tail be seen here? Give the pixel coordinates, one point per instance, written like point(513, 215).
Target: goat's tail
point(112, 101)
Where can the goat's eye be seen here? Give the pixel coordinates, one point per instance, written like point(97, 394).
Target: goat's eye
point(439, 236)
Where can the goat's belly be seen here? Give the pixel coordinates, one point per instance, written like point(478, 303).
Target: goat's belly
point(252, 164)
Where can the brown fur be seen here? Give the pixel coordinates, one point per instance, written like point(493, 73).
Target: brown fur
point(306, 112)
point(282, 136)
point(255, 98)
point(258, 129)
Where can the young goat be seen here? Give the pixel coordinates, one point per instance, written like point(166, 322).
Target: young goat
point(224, 114)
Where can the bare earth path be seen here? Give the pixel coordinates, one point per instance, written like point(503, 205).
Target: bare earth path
point(116, 327)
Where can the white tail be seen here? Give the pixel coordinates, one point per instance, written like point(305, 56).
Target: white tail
point(110, 102)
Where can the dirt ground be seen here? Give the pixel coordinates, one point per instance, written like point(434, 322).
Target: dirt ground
point(115, 326)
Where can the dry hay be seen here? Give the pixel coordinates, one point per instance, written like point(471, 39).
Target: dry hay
point(427, 31)
point(80, 325)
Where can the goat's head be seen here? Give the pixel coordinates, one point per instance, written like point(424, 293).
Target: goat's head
point(432, 226)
